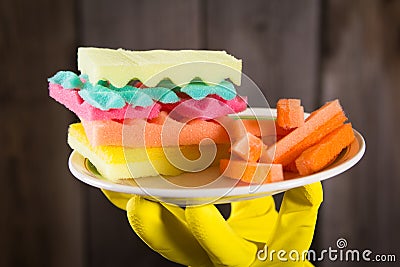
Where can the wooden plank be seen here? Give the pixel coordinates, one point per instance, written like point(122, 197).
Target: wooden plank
point(142, 25)
point(277, 40)
point(361, 66)
point(138, 25)
point(42, 223)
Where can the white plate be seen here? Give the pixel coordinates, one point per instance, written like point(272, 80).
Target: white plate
point(192, 189)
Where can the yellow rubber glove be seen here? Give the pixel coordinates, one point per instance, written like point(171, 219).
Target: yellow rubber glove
point(200, 236)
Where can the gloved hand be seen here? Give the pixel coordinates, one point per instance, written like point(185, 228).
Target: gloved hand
point(200, 236)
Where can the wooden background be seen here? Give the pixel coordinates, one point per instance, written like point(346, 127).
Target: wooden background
point(309, 49)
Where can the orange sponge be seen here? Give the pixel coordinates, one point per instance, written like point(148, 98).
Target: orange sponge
point(248, 148)
point(291, 167)
point(290, 114)
point(320, 155)
point(251, 172)
point(264, 127)
point(320, 123)
point(140, 133)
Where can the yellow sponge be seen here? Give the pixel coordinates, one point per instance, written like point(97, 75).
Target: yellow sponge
point(150, 67)
point(116, 162)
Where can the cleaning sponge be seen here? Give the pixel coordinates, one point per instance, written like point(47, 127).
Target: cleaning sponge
point(206, 108)
point(72, 100)
point(321, 154)
point(155, 133)
point(150, 67)
point(116, 162)
point(318, 125)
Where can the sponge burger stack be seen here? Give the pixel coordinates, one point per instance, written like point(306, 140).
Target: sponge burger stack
point(134, 106)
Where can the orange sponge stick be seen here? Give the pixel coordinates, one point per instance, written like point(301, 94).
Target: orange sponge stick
point(248, 147)
point(264, 127)
point(251, 172)
point(321, 154)
point(259, 127)
point(290, 114)
point(320, 123)
point(291, 167)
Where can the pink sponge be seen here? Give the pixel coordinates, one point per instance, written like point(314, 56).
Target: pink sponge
point(207, 108)
point(72, 100)
point(155, 133)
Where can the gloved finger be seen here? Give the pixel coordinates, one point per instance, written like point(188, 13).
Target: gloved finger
point(259, 207)
point(308, 197)
point(165, 231)
point(118, 199)
point(223, 245)
point(297, 217)
point(247, 216)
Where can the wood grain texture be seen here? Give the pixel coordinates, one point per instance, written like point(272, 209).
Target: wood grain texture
point(138, 25)
point(277, 40)
point(361, 66)
point(142, 25)
point(41, 224)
